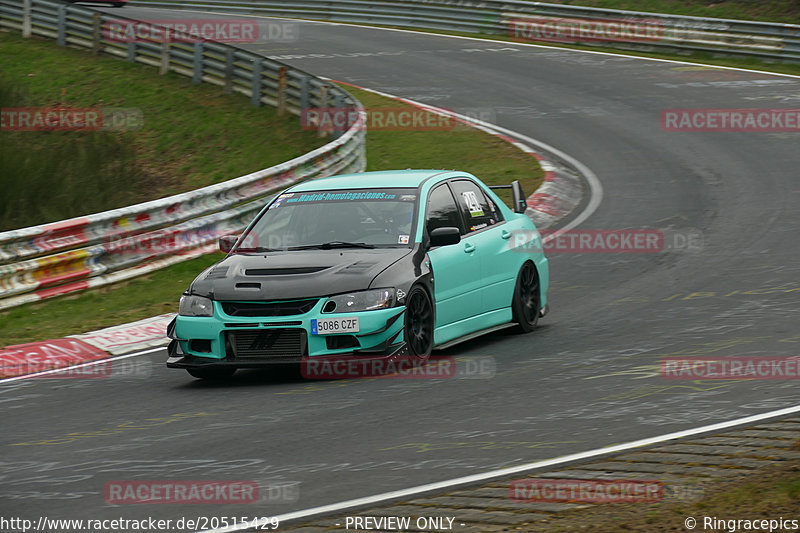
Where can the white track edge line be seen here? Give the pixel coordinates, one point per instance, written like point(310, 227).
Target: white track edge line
point(485, 476)
point(487, 40)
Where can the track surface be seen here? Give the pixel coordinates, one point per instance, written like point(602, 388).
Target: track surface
point(587, 378)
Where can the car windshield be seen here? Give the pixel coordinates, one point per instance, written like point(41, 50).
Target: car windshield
point(355, 218)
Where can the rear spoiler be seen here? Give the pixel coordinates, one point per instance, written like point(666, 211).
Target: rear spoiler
point(516, 191)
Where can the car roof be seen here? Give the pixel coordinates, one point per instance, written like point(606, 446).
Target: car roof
point(381, 178)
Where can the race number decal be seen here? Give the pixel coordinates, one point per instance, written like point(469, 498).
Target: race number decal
point(471, 201)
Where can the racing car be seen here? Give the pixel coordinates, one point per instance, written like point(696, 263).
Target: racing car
point(370, 265)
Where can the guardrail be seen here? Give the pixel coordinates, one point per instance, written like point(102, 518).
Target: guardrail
point(71, 255)
point(535, 21)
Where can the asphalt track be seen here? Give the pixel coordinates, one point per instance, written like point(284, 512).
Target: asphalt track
point(587, 378)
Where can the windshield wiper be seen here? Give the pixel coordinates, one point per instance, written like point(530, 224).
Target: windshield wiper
point(254, 250)
point(333, 244)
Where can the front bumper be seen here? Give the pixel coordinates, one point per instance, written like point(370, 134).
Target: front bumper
point(397, 351)
point(252, 342)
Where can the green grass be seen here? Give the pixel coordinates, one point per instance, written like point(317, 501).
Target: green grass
point(486, 156)
point(766, 10)
point(193, 135)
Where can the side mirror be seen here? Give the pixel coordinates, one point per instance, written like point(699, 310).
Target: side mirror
point(520, 203)
point(226, 243)
point(445, 236)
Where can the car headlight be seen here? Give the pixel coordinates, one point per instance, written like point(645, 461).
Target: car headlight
point(361, 301)
point(192, 305)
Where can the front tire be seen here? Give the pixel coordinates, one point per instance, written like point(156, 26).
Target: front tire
point(526, 304)
point(212, 374)
point(418, 330)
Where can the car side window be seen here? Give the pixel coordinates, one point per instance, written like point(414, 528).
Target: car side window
point(496, 215)
point(475, 207)
point(442, 210)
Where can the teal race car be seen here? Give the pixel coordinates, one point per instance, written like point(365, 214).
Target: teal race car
point(370, 266)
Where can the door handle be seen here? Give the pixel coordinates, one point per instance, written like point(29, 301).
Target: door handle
point(505, 234)
point(469, 247)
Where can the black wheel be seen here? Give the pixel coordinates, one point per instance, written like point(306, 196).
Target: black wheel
point(419, 324)
point(526, 304)
point(218, 373)
point(117, 4)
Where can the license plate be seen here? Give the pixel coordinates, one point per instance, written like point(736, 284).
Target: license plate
point(329, 326)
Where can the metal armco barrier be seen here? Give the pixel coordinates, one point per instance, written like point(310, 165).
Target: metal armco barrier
point(93, 250)
point(535, 21)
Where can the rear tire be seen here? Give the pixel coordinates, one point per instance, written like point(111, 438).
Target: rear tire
point(117, 4)
point(526, 304)
point(212, 374)
point(418, 332)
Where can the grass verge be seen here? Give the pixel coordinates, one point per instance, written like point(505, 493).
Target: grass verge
point(767, 494)
point(488, 157)
point(192, 135)
point(787, 11)
point(142, 297)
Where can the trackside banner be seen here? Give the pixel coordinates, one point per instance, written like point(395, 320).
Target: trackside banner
point(33, 357)
point(130, 337)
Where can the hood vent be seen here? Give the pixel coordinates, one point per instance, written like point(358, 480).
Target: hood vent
point(283, 271)
point(358, 267)
point(218, 272)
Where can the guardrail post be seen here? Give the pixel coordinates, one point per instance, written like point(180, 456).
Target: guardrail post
point(304, 93)
point(229, 71)
point(97, 33)
point(61, 39)
point(323, 103)
point(197, 74)
point(323, 95)
point(132, 51)
point(165, 49)
point(255, 96)
point(283, 82)
point(338, 104)
point(26, 18)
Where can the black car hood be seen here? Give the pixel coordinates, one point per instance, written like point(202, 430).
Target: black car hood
point(294, 274)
